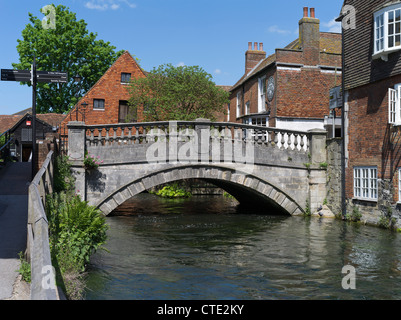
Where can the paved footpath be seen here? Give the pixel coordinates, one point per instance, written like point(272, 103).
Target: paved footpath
point(14, 183)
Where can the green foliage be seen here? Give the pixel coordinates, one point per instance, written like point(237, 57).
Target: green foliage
point(63, 178)
point(228, 195)
point(70, 48)
point(176, 93)
point(354, 216)
point(25, 268)
point(173, 191)
point(2, 140)
point(387, 221)
point(76, 231)
point(308, 212)
point(323, 165)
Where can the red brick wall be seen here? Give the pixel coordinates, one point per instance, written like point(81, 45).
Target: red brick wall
point(368, 125)
point(110, 89)
point(304, 93)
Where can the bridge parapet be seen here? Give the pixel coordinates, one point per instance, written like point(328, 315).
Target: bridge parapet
point(148, 132)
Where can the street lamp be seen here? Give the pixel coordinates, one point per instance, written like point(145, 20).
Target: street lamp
point(77, 78)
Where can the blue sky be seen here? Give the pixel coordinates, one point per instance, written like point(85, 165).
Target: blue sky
point(213, 34)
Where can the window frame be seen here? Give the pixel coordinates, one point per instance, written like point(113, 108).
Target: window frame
point(262, 92)
point(399, 185)
point(238, 105)
point(248, 108)
point(394, 105)
point(365, 183)
point(123, 80)
point(97, 108)
point(382, 36)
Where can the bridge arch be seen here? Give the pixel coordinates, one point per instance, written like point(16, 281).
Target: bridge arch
point(246, 188)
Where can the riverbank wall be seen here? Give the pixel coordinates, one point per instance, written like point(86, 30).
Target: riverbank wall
point(382, 213)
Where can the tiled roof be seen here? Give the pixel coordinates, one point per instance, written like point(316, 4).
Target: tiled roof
point(225, 88)
point(329, 43)
point(54, 119)
point(9, 121)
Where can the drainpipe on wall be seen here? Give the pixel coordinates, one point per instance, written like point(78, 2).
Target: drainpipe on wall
point(343, 195)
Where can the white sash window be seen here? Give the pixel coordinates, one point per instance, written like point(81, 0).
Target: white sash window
point(387, 31)
point(394, 105)
point(365, 183)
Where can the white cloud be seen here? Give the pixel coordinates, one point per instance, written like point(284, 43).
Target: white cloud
point(180, 64)
point(332, 26)
point(96, 6)
point(217, 71)
point(103, 5)
point(276, 29)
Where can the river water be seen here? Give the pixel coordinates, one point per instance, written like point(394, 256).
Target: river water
point(209, 248)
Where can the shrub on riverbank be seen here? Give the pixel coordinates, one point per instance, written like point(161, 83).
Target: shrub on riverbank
point(76, 231)
point(172, 191)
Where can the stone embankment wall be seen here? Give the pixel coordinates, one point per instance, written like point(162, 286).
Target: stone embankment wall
point(334, 175)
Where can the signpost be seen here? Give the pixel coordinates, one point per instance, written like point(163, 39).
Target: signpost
point(33, 76)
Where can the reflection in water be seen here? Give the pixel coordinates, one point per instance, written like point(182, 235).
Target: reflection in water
point(207, 248)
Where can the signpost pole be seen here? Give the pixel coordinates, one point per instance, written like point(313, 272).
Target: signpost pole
point(34, 80)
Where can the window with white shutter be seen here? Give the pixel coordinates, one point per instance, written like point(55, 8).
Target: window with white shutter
point(262, 94)
point(238, 105)
point(394, 105)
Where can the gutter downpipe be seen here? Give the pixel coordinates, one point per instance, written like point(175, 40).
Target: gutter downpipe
point(343, 184)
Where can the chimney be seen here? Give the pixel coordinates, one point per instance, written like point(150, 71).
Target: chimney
point(253, 57)
point(306, 12)
point(309, 37)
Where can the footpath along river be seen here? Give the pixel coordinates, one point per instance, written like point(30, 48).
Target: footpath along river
point(206, 247)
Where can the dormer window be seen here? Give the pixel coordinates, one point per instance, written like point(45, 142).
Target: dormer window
point(387, 31)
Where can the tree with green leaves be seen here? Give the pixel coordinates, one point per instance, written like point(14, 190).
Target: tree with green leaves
point(63, 44)
point(176, 93)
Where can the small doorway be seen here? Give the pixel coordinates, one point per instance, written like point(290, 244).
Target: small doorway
point(26, 153)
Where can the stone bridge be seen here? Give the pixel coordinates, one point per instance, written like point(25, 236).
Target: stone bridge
point(280, 170)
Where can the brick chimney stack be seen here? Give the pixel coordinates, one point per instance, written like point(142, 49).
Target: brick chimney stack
point(253, 57)
point(309, 36)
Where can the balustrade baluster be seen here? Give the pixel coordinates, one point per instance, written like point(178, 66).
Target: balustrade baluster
point(129, 135)
point(136, 138)
point(302, 143)
point(296, 141)
point(275, 139)
point(91, 138)
point(282, 141)
point(115, 139)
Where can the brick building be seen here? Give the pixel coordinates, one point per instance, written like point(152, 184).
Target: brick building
point(372, 77)
point(107, 101)
point(20, 126)
point(290, 88)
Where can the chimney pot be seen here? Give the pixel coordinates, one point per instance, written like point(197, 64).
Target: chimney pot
point(255, 46)
point(249, 46)
point(261, 46)
point(306, 12)
point(312, 12)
